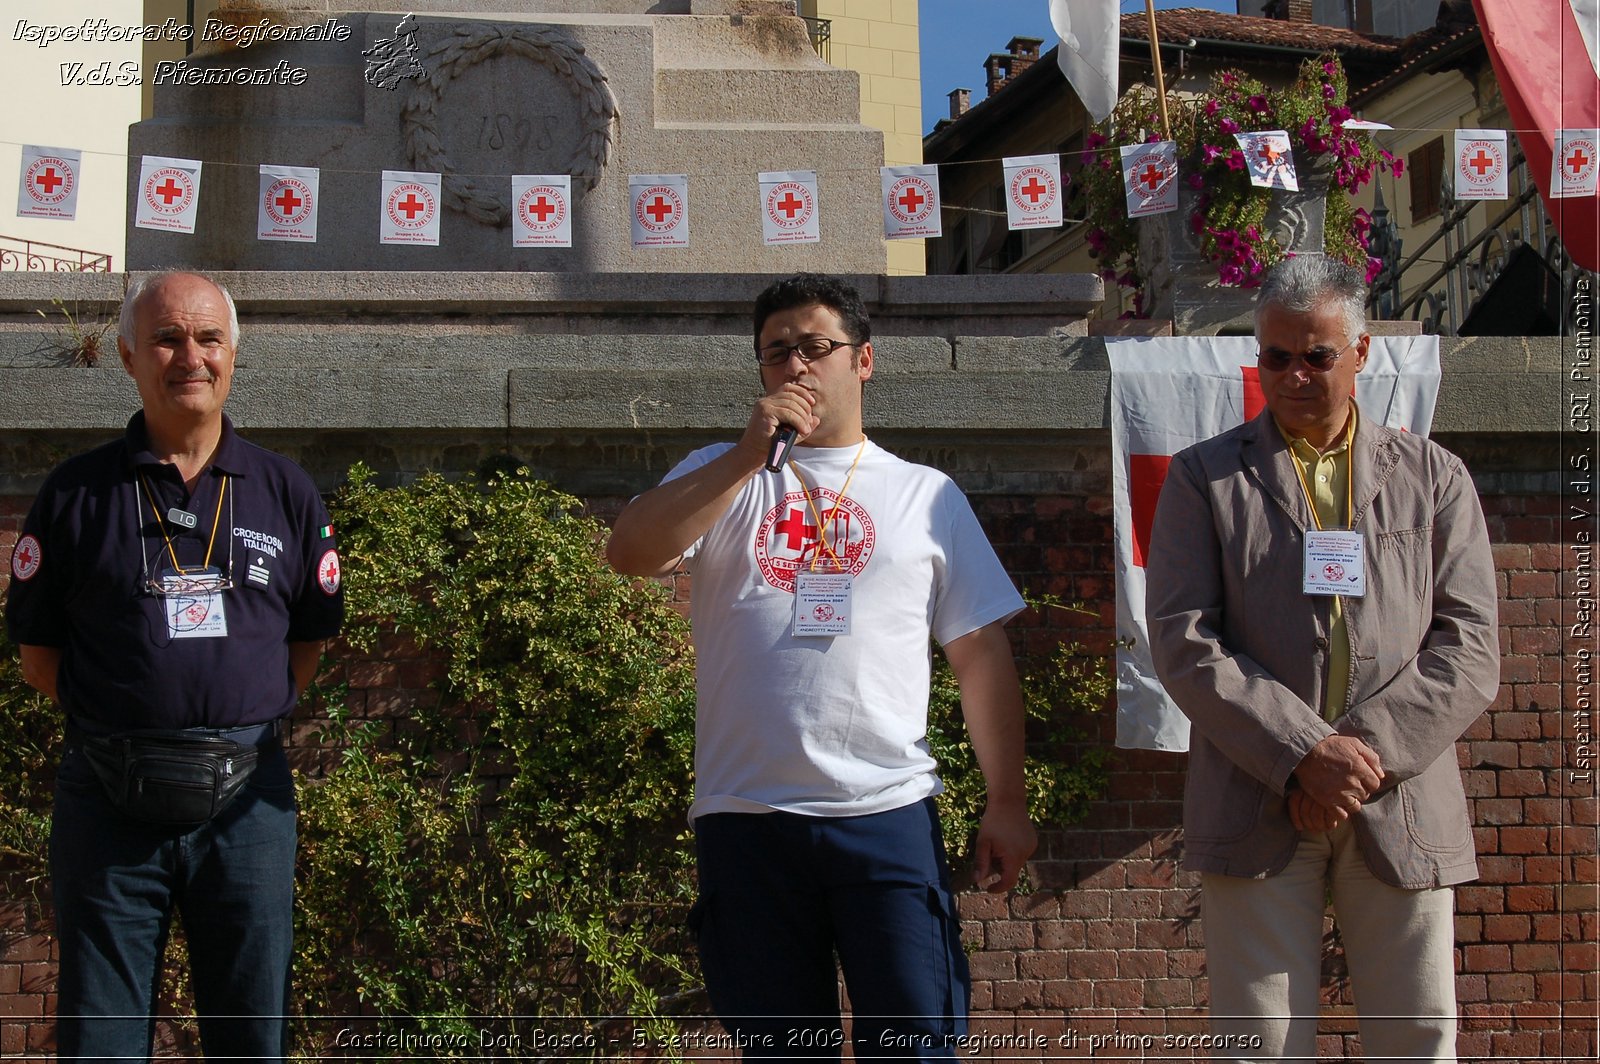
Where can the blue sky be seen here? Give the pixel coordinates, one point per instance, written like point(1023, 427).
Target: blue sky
point(958, 35)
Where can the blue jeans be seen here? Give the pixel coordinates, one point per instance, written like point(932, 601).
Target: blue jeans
point(781, 894)
point(116, 883)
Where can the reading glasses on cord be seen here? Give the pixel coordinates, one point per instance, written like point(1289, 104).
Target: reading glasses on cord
point(808, 350)
point(1317, 360)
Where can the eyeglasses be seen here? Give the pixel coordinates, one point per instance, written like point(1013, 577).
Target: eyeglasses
point(1317, 360)
point(808, 350)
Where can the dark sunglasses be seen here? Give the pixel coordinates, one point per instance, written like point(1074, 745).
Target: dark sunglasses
point(1317, 360)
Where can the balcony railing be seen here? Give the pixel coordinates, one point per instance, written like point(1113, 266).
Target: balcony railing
point(37, 256)
point(821, 31)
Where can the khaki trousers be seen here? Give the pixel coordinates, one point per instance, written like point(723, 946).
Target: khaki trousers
point(1264, 957)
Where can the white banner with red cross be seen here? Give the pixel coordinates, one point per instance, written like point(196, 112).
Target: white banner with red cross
point(1269, 159)
point(410, 212)
point(1170, 392)
point(1033, 191)
point(287, 207)
point(660, 210)
point(48, 187)
point(1572, 163)
point(1480, 156)
point(169, 194)
point(911, 202)
point(1150, 177)
point(789, 213)
point(543, 214)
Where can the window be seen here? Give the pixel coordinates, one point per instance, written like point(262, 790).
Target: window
point(1426, 167)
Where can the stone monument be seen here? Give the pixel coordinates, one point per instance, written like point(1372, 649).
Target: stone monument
point(479, 90)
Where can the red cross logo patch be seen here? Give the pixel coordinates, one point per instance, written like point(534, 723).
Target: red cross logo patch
point(789, 205)
point(328, 572)
point(25, 558)
point(1333, 571)
point(1480, 162)
point(658, 208)
point(49, 180)
point(788, 540)
point(911, 199)
point(1033, 189)
point(542, 208)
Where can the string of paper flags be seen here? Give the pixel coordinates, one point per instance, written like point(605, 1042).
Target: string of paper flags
point(409, 204)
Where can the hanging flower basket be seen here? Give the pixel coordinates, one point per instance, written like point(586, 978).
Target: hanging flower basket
point(1227, 232)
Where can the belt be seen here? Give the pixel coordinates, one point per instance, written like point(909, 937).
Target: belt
point(259, 735)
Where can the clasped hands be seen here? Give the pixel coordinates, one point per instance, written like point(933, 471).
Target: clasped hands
point(1335, 777)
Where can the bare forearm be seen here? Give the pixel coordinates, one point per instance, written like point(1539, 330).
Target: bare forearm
point(654, 530)
point(40, 666)
point(303, 661)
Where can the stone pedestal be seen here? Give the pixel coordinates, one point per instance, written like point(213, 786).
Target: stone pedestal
point(1183, 286)
point(715, 89)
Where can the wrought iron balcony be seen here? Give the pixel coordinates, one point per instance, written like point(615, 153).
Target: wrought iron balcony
point(37, 256)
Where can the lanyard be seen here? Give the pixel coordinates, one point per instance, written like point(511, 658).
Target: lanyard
point(811, 504)
point(1349, 484)
point(171, 550)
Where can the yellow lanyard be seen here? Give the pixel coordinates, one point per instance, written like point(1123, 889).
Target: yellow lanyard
point(1349, 484)
point(162, 525)
point(819, 518)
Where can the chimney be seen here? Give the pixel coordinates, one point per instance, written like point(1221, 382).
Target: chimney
point(1020, 54)
point(960, 100)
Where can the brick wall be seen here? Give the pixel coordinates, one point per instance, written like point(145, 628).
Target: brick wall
point(1105, 957)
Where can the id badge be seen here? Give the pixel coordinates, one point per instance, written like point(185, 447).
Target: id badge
point(194, 604)
point(1335, 564)
point(822, 602)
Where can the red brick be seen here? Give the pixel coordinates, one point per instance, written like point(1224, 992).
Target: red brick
point(1495, 869)
point(1516, 726)
point(1119, 994)
point(1110, 934)
point(1041, 964)
point(1530, 899)
point(1071, 994)
point(1535, 957)
point(1040, 905)
point(1168, 993)
point(1468, 929)
point(1016, 995)
point(1524, 840)
point(1060, 934)
point(1541, 755)
point(1008, 935)
point(1479, 899)
point(1531, 585)
point(1544, 869)
point(1136, 905)
point(1092, 964)
point(1471, 988)
point(26, 947)
point(1505, 928)
point(1519, 668)
point(1495, 958)
point(1086, 905)
point(1546, 811)
point(1521, 782)
point(997, 966)
point(1161, 934)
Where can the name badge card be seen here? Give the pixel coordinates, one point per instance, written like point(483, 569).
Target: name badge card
point(194, 604)
point(1335, 564)
point(822, 602)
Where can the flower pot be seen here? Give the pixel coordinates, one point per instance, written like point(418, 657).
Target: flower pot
point(1182, 283)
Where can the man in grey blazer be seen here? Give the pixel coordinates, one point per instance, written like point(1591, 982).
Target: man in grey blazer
point(1321, 602)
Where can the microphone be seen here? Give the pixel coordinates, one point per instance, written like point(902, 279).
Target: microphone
point(782, 444)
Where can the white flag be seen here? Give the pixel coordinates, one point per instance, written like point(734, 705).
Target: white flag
point(1168, 393)
point(1033, 191)
point(169, 194)
point(1089, 32)
point(410, 212)
point(660, 210)
point(1150, 177)
point(1269, 159)
point(48, 187)
point(911, 202)
point(789, 207)
point(1572, 163)
point(544, 210)
point(287, 208)
point(1480, 156)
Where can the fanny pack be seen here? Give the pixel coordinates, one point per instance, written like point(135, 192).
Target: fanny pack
point(171, 778)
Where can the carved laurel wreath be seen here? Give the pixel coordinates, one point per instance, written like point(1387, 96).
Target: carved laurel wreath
point(472, 44)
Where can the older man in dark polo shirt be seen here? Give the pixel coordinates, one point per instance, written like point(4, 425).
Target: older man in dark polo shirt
point(171, 592)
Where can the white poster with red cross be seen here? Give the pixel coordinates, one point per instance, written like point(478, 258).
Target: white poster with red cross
point(1170, 392)
point(660, 210)
point(789, 213)
point(169, 194)
point(287, 207)
point(911, 202)
point(410, 208)
point(1033, 191)
point(48, 187)
point(542, 216)
point(1572, 163)
point(1480, 156)
point(1150, 177)
point(1269, 159)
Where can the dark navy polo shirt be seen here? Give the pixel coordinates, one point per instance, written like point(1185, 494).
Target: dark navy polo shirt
point(92, 542)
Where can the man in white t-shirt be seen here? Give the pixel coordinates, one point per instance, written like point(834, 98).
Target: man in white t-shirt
point(816, 589)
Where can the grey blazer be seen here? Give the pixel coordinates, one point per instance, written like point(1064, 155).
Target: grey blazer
point(1243, 651)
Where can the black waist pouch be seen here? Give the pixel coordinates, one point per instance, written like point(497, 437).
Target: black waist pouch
point(172, 778)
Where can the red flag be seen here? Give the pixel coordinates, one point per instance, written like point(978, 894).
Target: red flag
point(1544, 54)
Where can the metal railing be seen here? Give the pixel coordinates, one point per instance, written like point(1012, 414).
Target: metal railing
point(1441, 294)
point(821, 31)
point(36, 256)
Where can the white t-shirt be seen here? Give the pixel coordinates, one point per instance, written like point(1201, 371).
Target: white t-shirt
point(831, 725)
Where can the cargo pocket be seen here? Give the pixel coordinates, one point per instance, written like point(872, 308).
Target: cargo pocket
point(948, 963)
